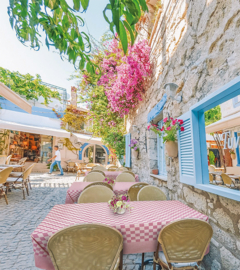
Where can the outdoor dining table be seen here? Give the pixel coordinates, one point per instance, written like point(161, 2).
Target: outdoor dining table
point(113, 175)
point(140, 227)
point(77, 187)
point(2, 167)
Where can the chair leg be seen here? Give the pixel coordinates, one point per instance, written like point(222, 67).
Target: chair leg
point(23, 192)
point(5, 196)
point(142, 261)
point(26, 186)
point(121, 260)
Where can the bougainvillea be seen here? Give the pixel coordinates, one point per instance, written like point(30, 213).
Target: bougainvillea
point(125, 77)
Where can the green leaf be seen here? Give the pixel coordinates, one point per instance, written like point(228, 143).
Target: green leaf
point(108, 7)
point(143, 5)
point(85, 4)
point(130, 31)
point(76, 4)
point(82, 63)
point(123, 36)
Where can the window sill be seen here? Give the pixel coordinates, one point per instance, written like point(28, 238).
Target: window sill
point(158, 176)
point(221, 191)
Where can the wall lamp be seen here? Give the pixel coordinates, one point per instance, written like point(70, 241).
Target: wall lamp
point(171, 89)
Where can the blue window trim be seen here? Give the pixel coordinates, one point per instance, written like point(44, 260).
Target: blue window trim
point(127, 150)
point(236, 102)
point(161, 160)
point(81, 151)
point(157, 109)
point(227, 92)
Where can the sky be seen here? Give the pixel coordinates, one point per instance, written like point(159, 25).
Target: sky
point(48, 64)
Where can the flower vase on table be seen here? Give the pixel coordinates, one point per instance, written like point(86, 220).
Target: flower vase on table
point(119, 204)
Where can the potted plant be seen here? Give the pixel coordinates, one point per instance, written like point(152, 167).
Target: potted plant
point(232, 153)
point(119, 204)
point(169, 132)
point(135, 148)
point(155, 171)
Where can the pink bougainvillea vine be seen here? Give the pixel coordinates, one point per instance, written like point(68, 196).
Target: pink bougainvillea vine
point(124, 76)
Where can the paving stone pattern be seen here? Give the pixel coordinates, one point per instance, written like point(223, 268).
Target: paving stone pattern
point(19, 219)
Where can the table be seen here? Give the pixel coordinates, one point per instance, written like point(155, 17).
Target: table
point(113, 175)
point(2, 167)
point(77, 187)
point(140, 227)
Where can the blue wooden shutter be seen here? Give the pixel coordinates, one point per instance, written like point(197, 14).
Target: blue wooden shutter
point(127, 150)
point(161, 153)
point(81, 150)
point(186, 151)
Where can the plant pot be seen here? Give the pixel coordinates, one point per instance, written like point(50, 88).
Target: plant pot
point(135, 153)
point(171, 148)
point(121, 211)
point(155, 171)
point(233, 156)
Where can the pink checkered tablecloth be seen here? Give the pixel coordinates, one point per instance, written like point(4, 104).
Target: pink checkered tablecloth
point(140, 227)
point(113, 175)
point(77, 187)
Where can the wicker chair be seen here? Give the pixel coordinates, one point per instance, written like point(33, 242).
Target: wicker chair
point(21, 180)
point(122, 169)
point(99, 184)
point(129, 173)
point(99, 168)
point(211, 179)
point(229, 182)
point(96, 194)
point(86, 247)
point(151, 193)
point(93, 171)
point(94, 177)
point(133, 191)
point(113, 168)
point(71, 166)
point(8, 160)
point(125, 177)
point(3, 159)
point(90, 165)
point(184, 243)
point(3, 178)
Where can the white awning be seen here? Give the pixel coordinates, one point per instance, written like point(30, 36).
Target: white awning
point(14, 98)
point(225, 123)
point(87, 138)
point(34, 129)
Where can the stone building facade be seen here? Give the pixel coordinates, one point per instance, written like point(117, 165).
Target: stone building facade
point(195, 44)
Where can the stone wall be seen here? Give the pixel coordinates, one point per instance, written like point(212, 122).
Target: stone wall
point(195, 45)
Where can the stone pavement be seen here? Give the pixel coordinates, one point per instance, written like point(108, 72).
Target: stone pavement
point(19, 219)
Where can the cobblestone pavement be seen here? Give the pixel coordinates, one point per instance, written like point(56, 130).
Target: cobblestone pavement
point(19, 219)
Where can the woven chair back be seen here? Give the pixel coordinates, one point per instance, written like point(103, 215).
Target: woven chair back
point(129, 173)
point(22, 161)
point(86, 247)
point(99, 184)
point(125, 177)
point(113, 168)
point(210, 178)
point(151, 193)
point(133, 191)
point(4, 174)
point(211, 168)
point(28, 171)
point(185, 240)
point(3, 159)
point(94, 177)
point(226, 179)
point(71, 164)
point(8, 159)
point(122, 169)
point(93, 171)
point(99, 168)
point(91, 164)
point(96, 194)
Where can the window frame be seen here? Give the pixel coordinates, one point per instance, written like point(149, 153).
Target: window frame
point(227, 92)
point(162, 171)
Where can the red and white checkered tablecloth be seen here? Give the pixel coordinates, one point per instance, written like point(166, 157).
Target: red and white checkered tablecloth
point(113, 175)
point(77, 187)
point(140, 227)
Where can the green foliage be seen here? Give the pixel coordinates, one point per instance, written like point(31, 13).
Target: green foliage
point(211, 158)
point(61, 25)
point(27, 85)
point(116, 141)
point(213, 115)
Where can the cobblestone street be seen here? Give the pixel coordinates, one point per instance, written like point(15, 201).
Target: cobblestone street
point(19, 219)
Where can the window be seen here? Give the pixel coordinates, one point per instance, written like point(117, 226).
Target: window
point(236, 101)
point(161, 153)
point(194, 149)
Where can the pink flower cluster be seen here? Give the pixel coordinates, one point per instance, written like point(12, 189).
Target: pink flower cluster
point(124, 77)
point(109, 181)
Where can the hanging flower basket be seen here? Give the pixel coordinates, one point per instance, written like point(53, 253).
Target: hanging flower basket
point(135, 153)
point(171, 149)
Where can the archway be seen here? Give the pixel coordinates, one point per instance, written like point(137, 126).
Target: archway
point(95, 153)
